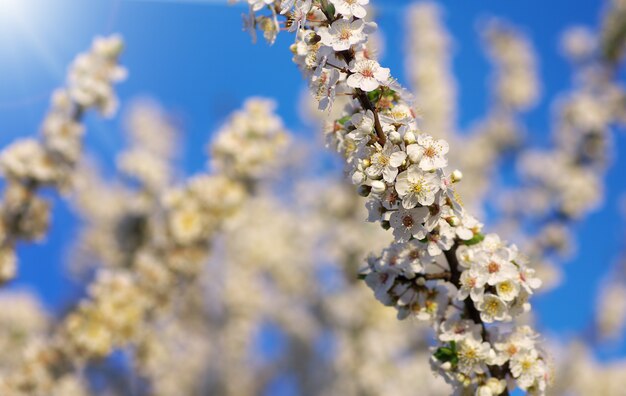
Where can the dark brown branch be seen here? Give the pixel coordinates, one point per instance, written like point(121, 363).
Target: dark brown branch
point(471, 311)
point(364, 100)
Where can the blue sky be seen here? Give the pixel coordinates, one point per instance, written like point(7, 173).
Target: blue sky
point(194, 58)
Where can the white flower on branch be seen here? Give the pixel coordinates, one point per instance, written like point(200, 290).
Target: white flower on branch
point(349, 8)
point(416, 187)
point(342, 34)
point(367, 75)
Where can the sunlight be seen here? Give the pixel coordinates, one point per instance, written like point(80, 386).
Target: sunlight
point(10, 12)
point(25, 47)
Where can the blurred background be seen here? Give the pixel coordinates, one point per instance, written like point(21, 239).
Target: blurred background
point(194, 59)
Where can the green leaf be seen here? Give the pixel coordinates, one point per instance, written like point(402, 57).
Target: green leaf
point(389, 92)
point(446, 354)
point(374, 95)
point(329, 8)
point(478, 238)
point(343, 120)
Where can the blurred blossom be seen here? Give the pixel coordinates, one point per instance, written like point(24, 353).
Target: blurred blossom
point(187, 277)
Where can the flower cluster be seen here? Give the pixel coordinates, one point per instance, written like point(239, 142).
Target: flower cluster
point(429, 68)
point(159, 239)
point(195, 210)
point(24, 325)
point(516, 83)
point(402, 170)
point(252, 139)
point(29, 164)
point(565, 183)
point(580, 373)
point(152, 146)
point(106, 320)
point(514, 88)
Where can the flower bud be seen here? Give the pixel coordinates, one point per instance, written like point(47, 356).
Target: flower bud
point(358, 177)
point(313, 39)
point(453, 221)
point(363, 190)
point(446, 366)
point(409, 138)
point(366, 162)
point(378, 187)
point(496, 386)
point(395, 137)
point(456, 176)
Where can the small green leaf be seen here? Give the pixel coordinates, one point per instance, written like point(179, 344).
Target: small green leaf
point(389, 92)
point(343, 120)
point(446, 354)
point(374, 95)
point(478, 238)
point(329, 8)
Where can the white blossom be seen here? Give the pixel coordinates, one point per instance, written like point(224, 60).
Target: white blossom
point(349, 8)
point(416, 187)
point(367, 75)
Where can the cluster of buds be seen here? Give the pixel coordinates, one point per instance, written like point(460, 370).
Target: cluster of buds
point(402, 171)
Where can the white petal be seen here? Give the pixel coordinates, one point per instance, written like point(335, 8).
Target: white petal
point(359, 12)
point(396, 159)
point(369, 84)
point(409, 201)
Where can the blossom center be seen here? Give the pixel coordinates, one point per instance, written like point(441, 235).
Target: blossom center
point(527, 365)
point(418, 187)
point(492, 307)
point(345, 34)
point(431, 306)
point(430, 152)
point(493, 267)
point(381, 159)
point(407, 221)
point(368, 73)
point(392, 198)
point(469, 354)
point(506, 287)
point(188, 220)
